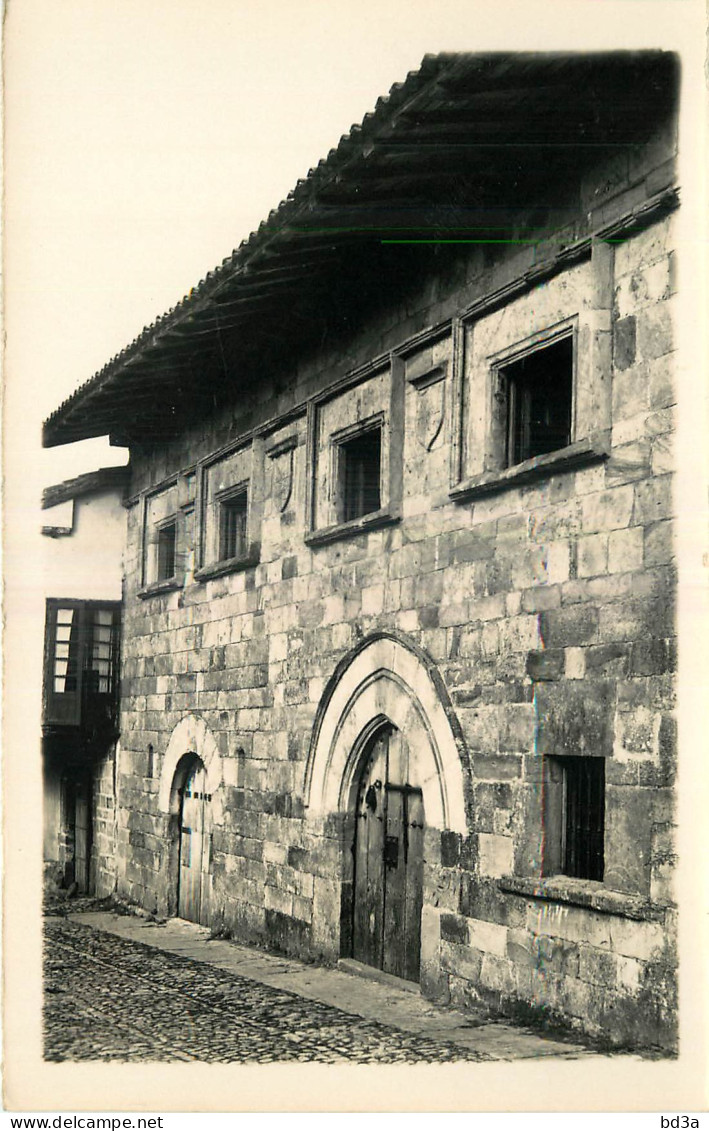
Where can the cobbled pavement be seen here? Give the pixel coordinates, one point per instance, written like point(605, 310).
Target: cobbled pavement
point(113, 999)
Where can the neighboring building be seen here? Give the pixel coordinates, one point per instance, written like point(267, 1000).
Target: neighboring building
point(399, 633)
point(86, 519)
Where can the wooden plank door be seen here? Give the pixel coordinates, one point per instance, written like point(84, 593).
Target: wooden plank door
point(413, 901)
point(82, 838)
point(367, 938)
point(189, 904)
point(388, 894)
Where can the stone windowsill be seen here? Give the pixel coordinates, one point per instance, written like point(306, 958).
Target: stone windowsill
point(229, 565)
point(581, 453)
point(582, 893)
point(158, 587)
point(348, 529)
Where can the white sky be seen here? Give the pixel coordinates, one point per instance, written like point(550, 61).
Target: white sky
point(146, 139)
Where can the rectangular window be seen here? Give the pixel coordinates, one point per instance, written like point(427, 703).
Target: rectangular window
point(233, 526)
point(167, 545)
point(539, 401)
point(65, 658)
point(359, 484)
point(582, 816)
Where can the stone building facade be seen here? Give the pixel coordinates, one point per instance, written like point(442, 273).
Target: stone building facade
point(399, 636)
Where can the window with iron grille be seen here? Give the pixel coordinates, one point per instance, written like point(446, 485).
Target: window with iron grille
point(233, 525)
point(167, 555)
point(359, 486)
point(539, 388)
point(581, 820)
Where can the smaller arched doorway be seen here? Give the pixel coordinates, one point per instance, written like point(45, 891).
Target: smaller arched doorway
point(388, 858)
point(193, 804)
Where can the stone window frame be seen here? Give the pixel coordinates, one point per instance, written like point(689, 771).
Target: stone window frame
point(391, 421)
point(501, 387)
point(339, 443)
point(556, 818)
point(590, 438)
point(185, 485)
point(233, 501)
point(166, 549)
point(253, 484)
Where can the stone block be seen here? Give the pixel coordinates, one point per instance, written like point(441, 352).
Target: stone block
point(302, 908)
point(608, 510)
point(491, 938)
point(575, 718)
point(662, 390)
point(540, 598)
point(651, 656)
point(461, 961)
point(624, 335)
point(599, 967)
point(636, 939)
point(326, 908)
point(496, 973)
point(654, 331)
point(607, 659)
point(373, 600)
point(569, 627)
point(628, 839)
point(659, 545)
point(625, 550)
point(630, 399)
point(453, 928)
point(574, 663)
point(450, 849)
point(592, 558)
point(653, 500)
point(433, 979)
point(519, 634)
point(663, 455)
point(573, 924)
point(517, 728)
point(496, 854)
point(547, 665)
point(441, 888)
point(494, 767)
point(643, 287)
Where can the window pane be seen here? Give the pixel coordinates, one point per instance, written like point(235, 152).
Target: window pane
point(585, 812)
point(166, 552)
point(360, 475)
point(233, 514)
point(66, 651)
point(539, 401)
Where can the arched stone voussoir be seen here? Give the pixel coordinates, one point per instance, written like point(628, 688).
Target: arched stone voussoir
point(387, 677)
point(190, 736)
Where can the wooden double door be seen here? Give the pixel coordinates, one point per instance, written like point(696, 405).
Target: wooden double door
point(388, 860)
point(194, 877)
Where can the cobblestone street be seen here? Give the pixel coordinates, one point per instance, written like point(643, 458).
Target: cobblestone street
point(111, 999)
point(117, 998)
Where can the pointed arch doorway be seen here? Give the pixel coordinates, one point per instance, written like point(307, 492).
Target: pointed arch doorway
point(388, 858)
point(194, 866)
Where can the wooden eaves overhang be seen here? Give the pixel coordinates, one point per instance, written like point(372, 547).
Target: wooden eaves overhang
point(466, 148)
